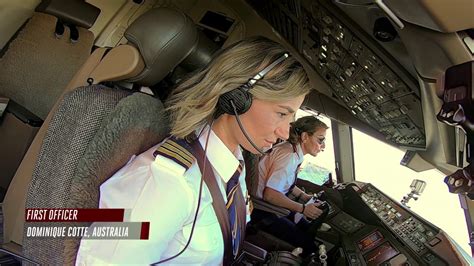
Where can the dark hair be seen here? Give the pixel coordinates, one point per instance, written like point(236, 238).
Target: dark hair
point(308, 124)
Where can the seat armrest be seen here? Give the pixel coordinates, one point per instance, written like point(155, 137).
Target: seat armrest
point(3, 105)
point(260, 204)
point(15, 250)
point(78, 13)
point(23, 114)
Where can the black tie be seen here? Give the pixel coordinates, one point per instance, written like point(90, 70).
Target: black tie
point(232, 185)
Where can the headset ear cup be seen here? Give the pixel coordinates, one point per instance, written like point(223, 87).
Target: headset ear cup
point(241, 98)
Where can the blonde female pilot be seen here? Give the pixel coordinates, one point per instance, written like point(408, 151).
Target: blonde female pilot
point(163, 185)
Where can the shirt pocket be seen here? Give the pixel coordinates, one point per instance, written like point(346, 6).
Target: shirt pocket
point(207, 234)
point(205, 237)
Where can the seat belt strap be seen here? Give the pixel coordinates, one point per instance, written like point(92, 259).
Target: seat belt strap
point(184, 153)
point(217, 201)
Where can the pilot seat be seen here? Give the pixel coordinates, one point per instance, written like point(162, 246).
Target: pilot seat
point(94, 129)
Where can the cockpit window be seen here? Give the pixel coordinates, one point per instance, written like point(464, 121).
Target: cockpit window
point(379, 164)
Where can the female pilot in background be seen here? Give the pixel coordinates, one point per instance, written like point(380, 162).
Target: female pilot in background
point(164, 189)
point(277, 178)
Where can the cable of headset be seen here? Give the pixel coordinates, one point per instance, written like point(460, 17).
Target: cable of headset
point(245, 131)
point(250, 83)
point(202, 179)
point(199, 198)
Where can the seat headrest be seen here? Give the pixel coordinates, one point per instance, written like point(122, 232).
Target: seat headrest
point(201, 55)
point(78, 13)
point(164, 37)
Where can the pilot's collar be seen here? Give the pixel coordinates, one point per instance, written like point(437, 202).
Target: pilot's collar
point(222, 159)
point(299, 151)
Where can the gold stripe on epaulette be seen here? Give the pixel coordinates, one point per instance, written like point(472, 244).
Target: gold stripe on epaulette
point(182, 149)
point(175, 147)
point(175, 155)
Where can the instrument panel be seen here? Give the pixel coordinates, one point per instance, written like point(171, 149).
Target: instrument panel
point(414, 233)
point(362, 76)
point(377, 230)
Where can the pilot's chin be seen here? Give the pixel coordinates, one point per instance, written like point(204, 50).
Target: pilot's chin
point(266, 148)
point(253, 151)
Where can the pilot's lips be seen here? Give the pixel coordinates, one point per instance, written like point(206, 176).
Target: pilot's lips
point(269, 143)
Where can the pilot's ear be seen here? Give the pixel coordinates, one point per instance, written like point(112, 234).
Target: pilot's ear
point(304, 137)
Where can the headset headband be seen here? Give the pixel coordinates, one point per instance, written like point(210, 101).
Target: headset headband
point(262, 73)
point(239, 100)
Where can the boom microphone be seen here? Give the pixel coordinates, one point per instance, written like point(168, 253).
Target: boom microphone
point(245, 132)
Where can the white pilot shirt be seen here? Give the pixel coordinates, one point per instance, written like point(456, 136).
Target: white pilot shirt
point(162, 192)
point(277, 169)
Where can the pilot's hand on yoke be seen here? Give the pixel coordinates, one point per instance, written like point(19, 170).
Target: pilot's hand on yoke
point(305, 197)
point(312, 211)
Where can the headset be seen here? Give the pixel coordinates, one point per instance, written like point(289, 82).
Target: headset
point(234, 102)
point(238, 101)
point(240, 98)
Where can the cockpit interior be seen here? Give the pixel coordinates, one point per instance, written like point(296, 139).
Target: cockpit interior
point(81, 80)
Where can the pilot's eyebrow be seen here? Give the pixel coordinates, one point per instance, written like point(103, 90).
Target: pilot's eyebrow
point(290, 110)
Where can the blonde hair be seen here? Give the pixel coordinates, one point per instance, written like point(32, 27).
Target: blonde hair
point(308, 124)
point(193, 102)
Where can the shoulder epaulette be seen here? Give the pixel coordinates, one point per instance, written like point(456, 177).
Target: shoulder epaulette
point(177, 150)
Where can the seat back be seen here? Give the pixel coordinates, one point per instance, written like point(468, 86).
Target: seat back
point(77, 157)
point(251, 172)
point(14, 202)
point(96, 129)
point(252, 180)
point(35, 67)
point(37, 64)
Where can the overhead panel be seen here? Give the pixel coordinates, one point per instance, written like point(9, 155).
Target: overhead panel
point(362, 76)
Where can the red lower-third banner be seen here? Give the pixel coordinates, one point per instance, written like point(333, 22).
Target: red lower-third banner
point(74, 215)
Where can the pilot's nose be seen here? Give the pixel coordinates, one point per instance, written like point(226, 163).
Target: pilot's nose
point(283, 131)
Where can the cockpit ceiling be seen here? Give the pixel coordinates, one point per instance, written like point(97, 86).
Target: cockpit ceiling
point(442, 16)
point(362, 76)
